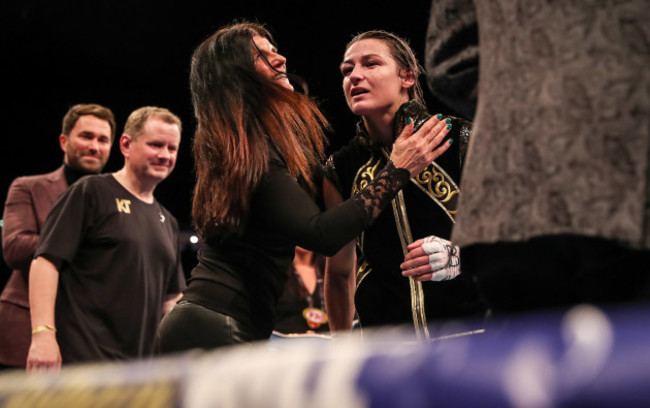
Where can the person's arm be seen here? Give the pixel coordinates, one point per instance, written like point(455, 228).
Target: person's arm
point(339, 288)
point(44, 353)
point(339, 277)
point(291, 212)
point(20, 229)
point(176, 284)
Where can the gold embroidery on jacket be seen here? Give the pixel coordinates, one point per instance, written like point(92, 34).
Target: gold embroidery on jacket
point(362, 271)
point(365, 175)
point(437, 184)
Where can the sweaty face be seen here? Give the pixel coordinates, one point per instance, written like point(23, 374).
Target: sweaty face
point(276, 68)
point(152, 155)
point(372, 82)
point(88, 145)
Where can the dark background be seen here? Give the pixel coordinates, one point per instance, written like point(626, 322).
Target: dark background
point(127, 54)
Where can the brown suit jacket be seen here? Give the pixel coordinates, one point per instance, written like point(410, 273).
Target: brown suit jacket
point(29, 200)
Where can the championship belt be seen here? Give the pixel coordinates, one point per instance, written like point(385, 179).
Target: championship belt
point(441, 189)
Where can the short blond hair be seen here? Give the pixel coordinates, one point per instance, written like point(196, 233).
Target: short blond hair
point(136, 120)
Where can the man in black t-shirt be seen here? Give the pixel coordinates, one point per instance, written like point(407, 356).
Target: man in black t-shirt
point(108, 262)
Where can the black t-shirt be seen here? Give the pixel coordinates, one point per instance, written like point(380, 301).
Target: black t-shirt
point(118, 259)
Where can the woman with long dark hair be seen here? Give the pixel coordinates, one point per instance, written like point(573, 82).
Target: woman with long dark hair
point(256, 138)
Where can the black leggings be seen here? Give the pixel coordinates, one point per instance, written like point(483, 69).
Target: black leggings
point(190, 326)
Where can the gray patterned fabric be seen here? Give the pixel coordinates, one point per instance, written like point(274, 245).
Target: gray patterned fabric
point(451, 55)
point(561, 141)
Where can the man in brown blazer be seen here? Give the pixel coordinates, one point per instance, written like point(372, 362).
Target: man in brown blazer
point(87, 134)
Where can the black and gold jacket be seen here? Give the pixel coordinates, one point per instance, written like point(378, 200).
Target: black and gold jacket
point(426, 206)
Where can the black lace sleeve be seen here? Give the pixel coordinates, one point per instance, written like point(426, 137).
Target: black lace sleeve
point(376, 196)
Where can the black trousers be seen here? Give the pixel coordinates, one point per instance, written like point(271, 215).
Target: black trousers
point(190, 326)
point(557, 271)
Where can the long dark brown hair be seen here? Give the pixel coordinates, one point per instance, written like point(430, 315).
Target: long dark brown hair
point(240, 115)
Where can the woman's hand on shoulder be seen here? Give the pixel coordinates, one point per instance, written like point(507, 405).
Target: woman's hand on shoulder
point(415, 151)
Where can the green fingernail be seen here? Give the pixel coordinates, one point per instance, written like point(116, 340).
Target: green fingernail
point(451, 140)
point(408, 121)
point(449, 126)
point(448, 120)
point(439, 116)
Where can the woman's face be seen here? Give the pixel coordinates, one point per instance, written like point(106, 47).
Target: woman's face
point(372, 81)
point(276, 68)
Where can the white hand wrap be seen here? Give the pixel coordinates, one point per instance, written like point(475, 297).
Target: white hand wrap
point(444, 258)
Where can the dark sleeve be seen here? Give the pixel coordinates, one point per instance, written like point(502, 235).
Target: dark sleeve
point(318, 175)
point(176, 283)
point(20, 229)
point(290, 211)
point(64, 226)
point(451, 55)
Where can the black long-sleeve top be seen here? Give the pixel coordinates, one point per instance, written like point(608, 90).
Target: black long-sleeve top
point(243, 277)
